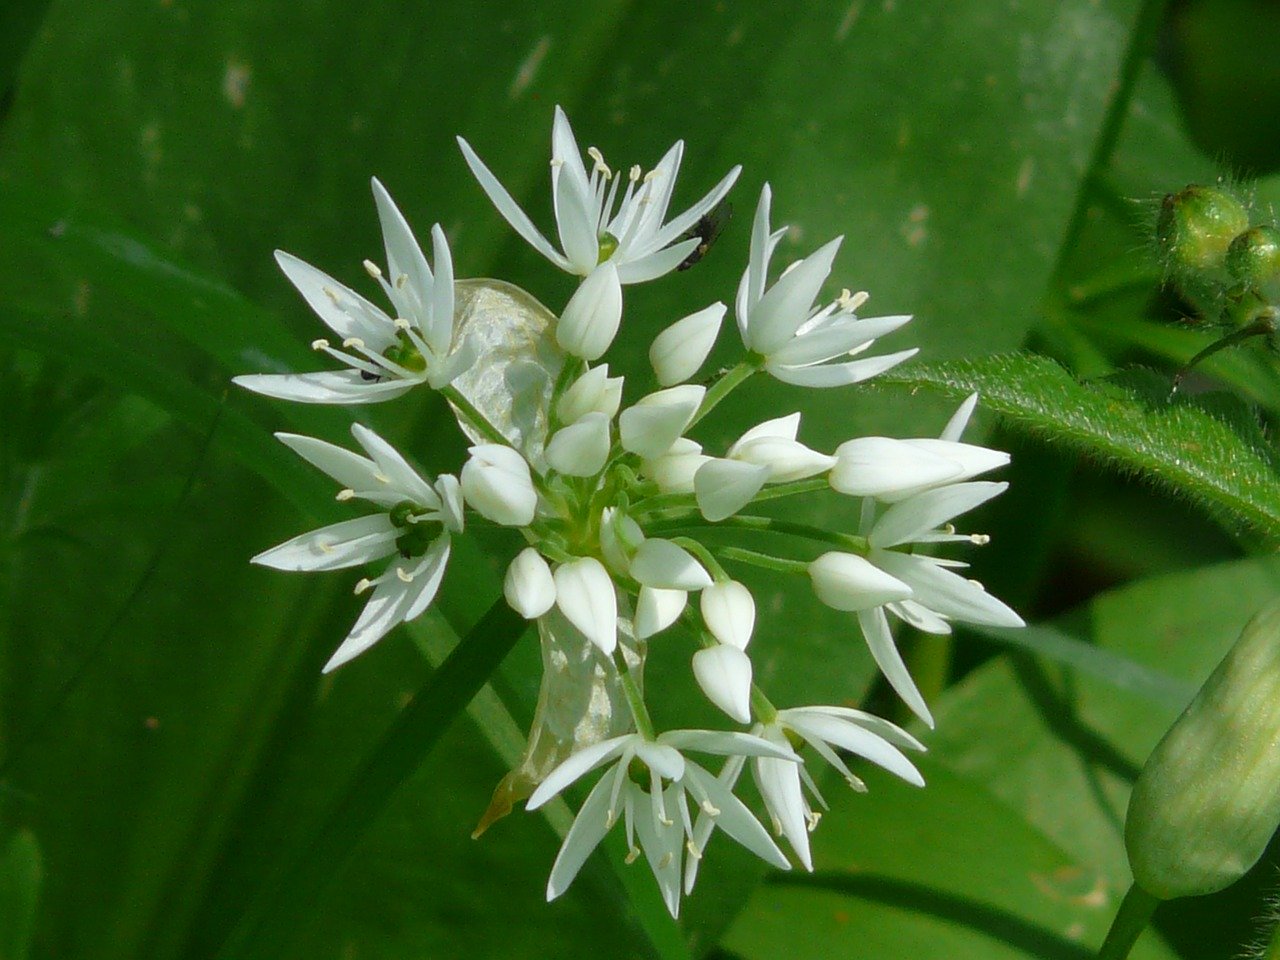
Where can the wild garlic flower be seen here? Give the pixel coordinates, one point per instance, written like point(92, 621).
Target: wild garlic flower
point(606, 494)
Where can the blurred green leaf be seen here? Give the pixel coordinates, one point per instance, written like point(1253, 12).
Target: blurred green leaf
point(1215, 455)
point(21, 875)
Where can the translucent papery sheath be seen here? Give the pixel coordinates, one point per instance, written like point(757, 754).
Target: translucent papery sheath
point(580, 701)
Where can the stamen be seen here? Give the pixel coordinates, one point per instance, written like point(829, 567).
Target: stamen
point(610, 819)
point(949, 529)
point(980, 539)
point(635, 174)
point(693, 850)
point(852, 301)
point(666, 821)
point(665, 861)
point(652, 175)
point(401, 281)
point(777, 825)
point(711, 809)
point(632, 856)
point(363, 584)
point(345, 495)
point(812, 820)
point(400, 323)
point(353, 342)
point(325, 546)
point(600, 165)
point(382, 478)
point(556, 162)
point(332, 294)
point(320, 344)
point(372, 270)
point(402, 576)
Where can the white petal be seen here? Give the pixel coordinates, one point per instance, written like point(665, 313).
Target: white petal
point(920, 617)
point(833, 339)
point(838, 374)
point(652, 425)
point(734, 818)
point(449, 490)
point(758, 266)
point(439, 332)
point(855, 739)
point(678, 351)
point(727, 743)
point(593, 392)
point(392, 465)
point(724, 674)
point(869, 721)
point(948, 594)
point(528, 585)
point(973, 459)
point(787, 460)
point(663, 846)
point(674, 471)
point(576, 766)
point(343, 310)
point(588, 829)
point(404, 257)
point(575, 219)
point(786, 305)
point(584, 594)
point(779, 783)
point(730, 612)
point(723, 487)
point(846, 581)
point(350, 469)
point(662, 564)
point(509, 209)
point(662, 759)
point(874, 466)
point(580, 449)
point(657, 609)
point(591, 317)
point(336, 386)
point(910, 518)
point(784, 428)
point(875, 628)
point(334, 547)
point(960, 419)
point(705, 824)
point(690, 217)
point(656, 264)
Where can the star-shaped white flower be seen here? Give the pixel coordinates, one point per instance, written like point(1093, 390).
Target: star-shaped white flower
point(657, 813)
point(594, 225)
point(415, 525)
point(780, 322)
point(386, 356)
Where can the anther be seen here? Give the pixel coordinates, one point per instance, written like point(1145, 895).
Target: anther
point(693, 849)
point(345, 495)
point(363, 584)
point(401, 281)
point(320, 344)
point(665, 861)
point(400, 323)
point(949, 529)
point(355, 342)
point(556, 162)
point(666, 821)
point(636, 173)
point(382, 478)
point(325, 546)
point(372, 270)
point(610, 819)
point(980, 539)
point(852, 301)
point(600, 165)
point(402, 576)
point(651, 176)
point(812, 820)
point(332, 294)
point(632, 856)
point(711, 809)
point(978, 585)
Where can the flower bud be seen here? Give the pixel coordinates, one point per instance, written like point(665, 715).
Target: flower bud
point(662, 564)
point(1196, 226)
point(593, 392)
point(584, 594)
point(580, 449)
point(1254, 259)
point(846, 581)
point(679, 350)
point(773, 444)
point(730, 612)
point(619, 537)
point(657, 609)
point(591, 317)
point(653, 423)
point(723, 487)
point(674, 471)
point(724, 674)
point(528, 585)
point(1208, 799)
point(880, 466)
point(497, 485)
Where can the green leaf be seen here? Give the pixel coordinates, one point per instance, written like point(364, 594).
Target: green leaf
point(1215, 455)
point(21, 875)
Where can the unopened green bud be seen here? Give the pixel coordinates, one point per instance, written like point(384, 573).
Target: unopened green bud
point(1254, 258)
point(1196, 226)
point(1208, 800)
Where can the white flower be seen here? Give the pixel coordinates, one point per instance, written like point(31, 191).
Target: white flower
point(386, 356)
point(773, 444)
point(657, 814)
point(657, 609)
point(678, 351)
point(724, 674)
point(593, 392)
point(497, 485)
point(846, 581)
point(528, 585)
point(415, 525)
point(665, 565)
point(781, 324)
point(634, 238)
point(590, 319)
point(651, 425)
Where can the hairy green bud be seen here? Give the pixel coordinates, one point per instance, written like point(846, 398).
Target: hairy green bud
point(1196, 226)
point(1208, 800)
point(1253, 259)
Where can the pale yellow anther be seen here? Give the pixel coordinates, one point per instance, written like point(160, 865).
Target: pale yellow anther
point(400, 323)
point(858, 299)
point(978, 585)
point(401, 281)
point(344, 495)
point(636, 173)
point(812, 820)
point(320, 344)
point(665, 861)
point(693, 849)
point(402, 576)
point(353, 342)
point(372, 269)
point(979, 539)
point(556, 162)
point(666, 821)
point(711, 809)
point(382, 478)
point(362, 585)
point(632, 856)
point(949, 529)
point(325, 546)
point(610, 819)
point(600, 165)
point(651, 176)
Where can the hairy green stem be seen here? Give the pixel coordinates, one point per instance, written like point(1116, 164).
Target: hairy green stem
point(1131, 919)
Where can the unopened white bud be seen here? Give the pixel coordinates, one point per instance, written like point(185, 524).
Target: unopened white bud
point(724, 674)
point(584, 594)
point(528, 585)
point(673, 472)
point(729, 612)
point(580, 449)
point(654, 423)
point(773, 444)
point(657, 609)
point(880, 466)
point(591, 317)
point(593, 392)
point(668, 566)
point(723, 487)
point(620, 535)
point(846, 581)
point(679, 350)
point(497, 485)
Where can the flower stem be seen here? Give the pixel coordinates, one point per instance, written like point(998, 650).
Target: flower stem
point(473, 416)
point(1272, 951)
point(731, 380)
point(704, 555)
point(681, 505)
point(635, 699)
point(1131, 919)
point(780, 564)
point(850, 541)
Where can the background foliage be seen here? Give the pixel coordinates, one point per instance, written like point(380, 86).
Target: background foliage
point(167, 746)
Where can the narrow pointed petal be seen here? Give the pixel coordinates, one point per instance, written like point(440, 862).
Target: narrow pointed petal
point(662, 564)
point(782, 310)
point(584, 594)
point(827, 375)
point(724, 674)
point(727, 743)
point(758, 266)
point(337, 386)
point(948, 594)
point(404, 255)
point(972, 459)
point(735, 819)
point(656, 264)
point(960, 419)
point(578, 765)
point(869, 721)
point(908, 519)
point(343, 310)
point(729, 611)
point(509, 209)
point(663, 846)
point(392, 465)
point(846, 581)
point(350, 469)
point(723, 487)
point(779, 783)
point(576, 220)
point(919, 616)
point(864, 743)
point(588, 829)
point(657, 609)
point(439, 333)
point(834, 339)
point(875, 628)
point(690, 217)
point(334, 547)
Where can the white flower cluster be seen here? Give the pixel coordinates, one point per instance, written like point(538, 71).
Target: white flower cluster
point(606, 495)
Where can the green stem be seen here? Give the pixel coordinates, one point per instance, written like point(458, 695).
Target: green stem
point(732, 379)
point(1131, 919)
point(635, 700)
point(764, 560)
point(474, 416)
point(849, 541)
point(1273, 947)
point(281, 906)
point(704, 556)
point(679, 505)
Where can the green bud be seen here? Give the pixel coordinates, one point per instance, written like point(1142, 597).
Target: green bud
point(1208, 800)
point(1196, 226)
point(1254, 258)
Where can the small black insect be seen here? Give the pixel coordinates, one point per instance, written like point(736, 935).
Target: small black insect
point(708, 228)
